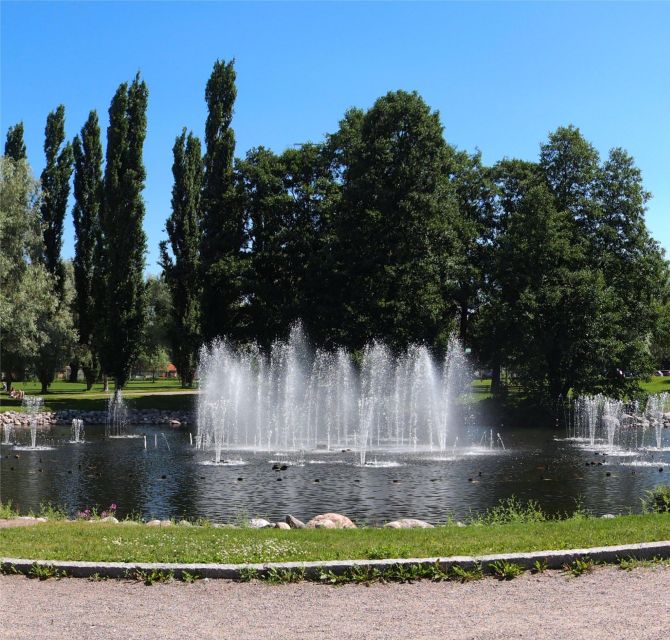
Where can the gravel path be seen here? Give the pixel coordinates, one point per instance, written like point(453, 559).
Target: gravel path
point(608, 603)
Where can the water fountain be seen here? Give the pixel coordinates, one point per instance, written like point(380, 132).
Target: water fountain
point(77, 430)
point(654, 412)
point(7, 429)
point(115, 426)
point(33, 406)
point(294, 399)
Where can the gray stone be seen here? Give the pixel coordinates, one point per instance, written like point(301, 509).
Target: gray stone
point(330, 521)
point(111, 519)
point(154, 523)
point(408, 523)
point(608, 516)
point(282, 525)
point(259, 523)
point(184, 523)
point(294, 523)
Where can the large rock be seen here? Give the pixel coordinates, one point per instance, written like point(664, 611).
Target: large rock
point(330, 521)
point(408, 523)
point(111, 519)
point(259, 523)
point(282, 525)
point(294, 523)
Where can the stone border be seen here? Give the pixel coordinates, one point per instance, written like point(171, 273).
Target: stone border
point(551, 559)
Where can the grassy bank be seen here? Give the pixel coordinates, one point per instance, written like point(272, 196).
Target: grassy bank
point(140, 394)
point(137, 543)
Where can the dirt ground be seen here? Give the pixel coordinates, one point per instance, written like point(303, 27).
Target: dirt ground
point(608, 603)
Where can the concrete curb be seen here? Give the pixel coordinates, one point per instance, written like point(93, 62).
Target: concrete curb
point(552, 560)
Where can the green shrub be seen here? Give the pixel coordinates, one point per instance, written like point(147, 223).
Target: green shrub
point(657, 500)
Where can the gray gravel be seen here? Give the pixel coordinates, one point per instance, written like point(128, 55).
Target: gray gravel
point(608, 604)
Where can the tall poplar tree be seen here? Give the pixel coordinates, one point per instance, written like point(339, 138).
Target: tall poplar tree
point(56, 188)
point(15, 147)
point(86, 216)
point(223, 225)
point(182, 268)
point(123, 243)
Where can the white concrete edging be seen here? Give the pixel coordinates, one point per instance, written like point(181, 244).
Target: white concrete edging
point(551, 559)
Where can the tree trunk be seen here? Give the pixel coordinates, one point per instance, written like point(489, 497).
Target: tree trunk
point(495, 377)
point(90, 374)
point(45, 378)
point(105, 383)
point(463, 325)
point(74, 370)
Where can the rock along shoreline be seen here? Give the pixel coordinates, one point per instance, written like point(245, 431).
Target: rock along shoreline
point(174, 419)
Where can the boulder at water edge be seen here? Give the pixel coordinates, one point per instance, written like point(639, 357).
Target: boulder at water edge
point(259, 523)
point(330, 521)
point(408, 523)
point(294, 523)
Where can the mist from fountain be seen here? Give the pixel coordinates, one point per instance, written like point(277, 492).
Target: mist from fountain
point(295, 399)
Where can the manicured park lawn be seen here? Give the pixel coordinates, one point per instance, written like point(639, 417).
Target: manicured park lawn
point(138, 543)
point(141, 394)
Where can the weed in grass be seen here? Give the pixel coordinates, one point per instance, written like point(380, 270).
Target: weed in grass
point(150, 577)
point(628, 564)
point(284, 576)
point(579, 567)
point(504, 570)
point(457, 572)
point(9, 569)
point(247, 574)
point(189, 578)
point(45, 571)
point(96, 577)
point(52, 512)
point(512, 511)
point(539, 566)
point(7, 512)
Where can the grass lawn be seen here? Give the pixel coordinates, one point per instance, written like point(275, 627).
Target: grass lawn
point(109, 542)
point(657, 384)
point(141, 394)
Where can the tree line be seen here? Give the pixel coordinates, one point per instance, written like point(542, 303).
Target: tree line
point(382, 230)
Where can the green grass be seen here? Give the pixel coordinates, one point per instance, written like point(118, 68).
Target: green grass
point(657, 384)
point(140, 394)
point(109, 542)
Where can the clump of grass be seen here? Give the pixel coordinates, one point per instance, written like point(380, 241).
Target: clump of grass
point(539, 566)
point(7, 511)
point(247, 574)
point(512, 511)
point(52, 512)
point(504, 570)
point(150, 577)
point(45, 571)
point(382, 552)
point(657, 500)
point(284, 576)
point(628, 564)
point(456, 572)
point(580, 566)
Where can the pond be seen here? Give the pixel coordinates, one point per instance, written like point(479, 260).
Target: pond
point(172, 478)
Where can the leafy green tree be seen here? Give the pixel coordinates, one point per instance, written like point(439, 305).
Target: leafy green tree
point(158, 328)
point(182, 272)
point(86, 214)
point(390, 210)
point(36, 327)
point(15, 147)
point(223, 237)
point(123, 241)
point(56, 189)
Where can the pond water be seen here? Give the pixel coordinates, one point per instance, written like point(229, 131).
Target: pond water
point(171, 478)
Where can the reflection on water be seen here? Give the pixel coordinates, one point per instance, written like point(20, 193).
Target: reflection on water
point(169, 478)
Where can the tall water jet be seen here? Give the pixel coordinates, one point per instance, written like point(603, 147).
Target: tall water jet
point(77, 430)
point(117, 416)
point(654, 412)
point(33, 405)
point(7, 429)
point(293, 398)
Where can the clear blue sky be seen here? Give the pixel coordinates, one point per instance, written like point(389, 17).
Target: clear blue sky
point(503, 75)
